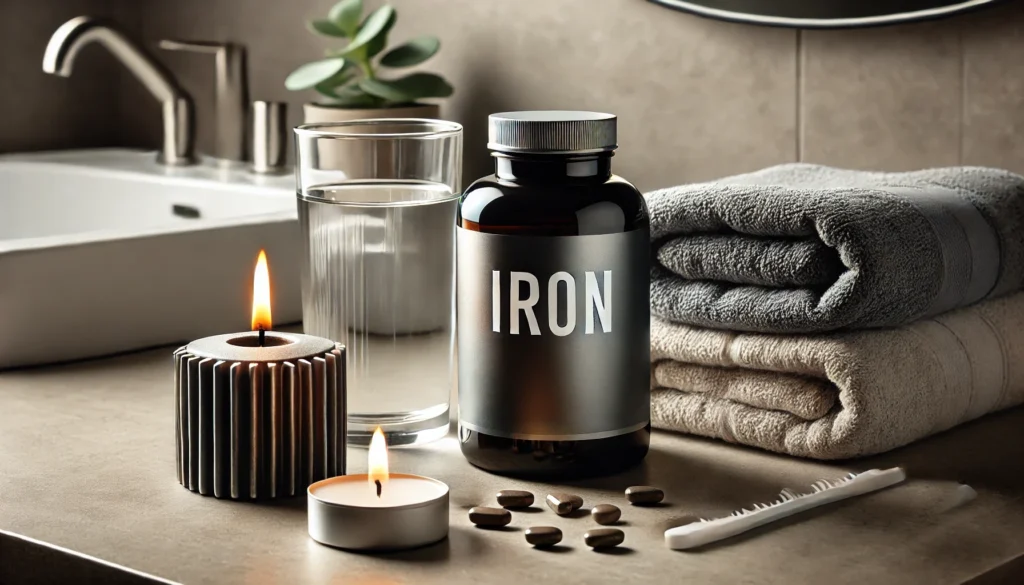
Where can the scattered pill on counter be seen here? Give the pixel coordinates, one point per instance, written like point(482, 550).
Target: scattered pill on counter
point(641, 495)
point(489, 517)
point(563, 503)
point(515, 499)
point(963, 494)
point(604, 537)
point(543, 536)
point(606, 514)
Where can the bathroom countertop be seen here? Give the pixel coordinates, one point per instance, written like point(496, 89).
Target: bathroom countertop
point(87, 464)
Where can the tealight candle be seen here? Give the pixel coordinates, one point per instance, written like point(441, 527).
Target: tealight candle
point(378, 510)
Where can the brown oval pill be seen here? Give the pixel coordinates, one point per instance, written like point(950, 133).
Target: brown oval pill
point(604, 537)
point(563, 503)
point(484, 516)
point(605, 514)
point(515, 499)
point(644, 494)
point(541, 536)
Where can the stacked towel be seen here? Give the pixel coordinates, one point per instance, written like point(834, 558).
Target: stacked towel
point(839, 395)
point(800, 248)
point(832, 254)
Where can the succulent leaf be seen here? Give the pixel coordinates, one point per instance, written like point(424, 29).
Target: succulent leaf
point(409, 88)
point(311, 74)
point(411, 52)
point(326, 28)
point(345, 15)
point(378, 23)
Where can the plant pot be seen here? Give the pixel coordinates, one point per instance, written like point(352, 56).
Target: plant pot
point(423, 303)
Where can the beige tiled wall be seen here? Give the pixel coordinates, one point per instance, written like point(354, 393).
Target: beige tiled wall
point(883, 98)
point(697, 98)
point(993, 88)
point(40, 111)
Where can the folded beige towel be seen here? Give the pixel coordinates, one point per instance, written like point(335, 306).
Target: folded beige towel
point(839, 395)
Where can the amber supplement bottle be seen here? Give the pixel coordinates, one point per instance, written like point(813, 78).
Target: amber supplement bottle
point(553, 302)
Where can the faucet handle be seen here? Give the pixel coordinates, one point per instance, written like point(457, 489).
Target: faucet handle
point(232, 93)
point(208, 47)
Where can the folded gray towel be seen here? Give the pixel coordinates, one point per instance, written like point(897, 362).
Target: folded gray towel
point(805, 248)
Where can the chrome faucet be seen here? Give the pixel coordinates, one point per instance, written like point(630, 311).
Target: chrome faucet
point(178, 122)
point(232, 94)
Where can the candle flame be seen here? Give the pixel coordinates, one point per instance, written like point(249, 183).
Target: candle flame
point(261, 295)
point(378, 461)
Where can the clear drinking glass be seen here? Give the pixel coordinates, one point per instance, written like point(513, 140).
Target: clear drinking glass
point(377, 202)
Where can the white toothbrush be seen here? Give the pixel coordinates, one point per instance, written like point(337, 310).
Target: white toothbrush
point(789, 503)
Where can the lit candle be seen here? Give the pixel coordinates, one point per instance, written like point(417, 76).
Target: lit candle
point(378, 510)
point(261, 320)
point(259, 414)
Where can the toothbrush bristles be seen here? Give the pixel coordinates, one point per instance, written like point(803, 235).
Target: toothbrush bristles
point(788, 495)
point(786, 504)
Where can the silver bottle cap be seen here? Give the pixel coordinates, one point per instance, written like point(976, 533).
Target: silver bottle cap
point(551, 132)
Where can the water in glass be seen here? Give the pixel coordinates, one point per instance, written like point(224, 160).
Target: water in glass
point(378, 276)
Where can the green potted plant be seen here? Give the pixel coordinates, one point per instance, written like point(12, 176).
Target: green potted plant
point(357, 80)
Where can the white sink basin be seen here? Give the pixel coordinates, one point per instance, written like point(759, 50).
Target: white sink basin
point(104, 251)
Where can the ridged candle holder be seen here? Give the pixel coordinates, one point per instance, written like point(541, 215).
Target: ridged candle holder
point(259, 422)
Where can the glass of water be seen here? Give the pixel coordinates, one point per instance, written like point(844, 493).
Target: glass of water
point(377, 202)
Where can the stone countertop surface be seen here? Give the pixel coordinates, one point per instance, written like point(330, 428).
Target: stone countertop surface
point(87, 463)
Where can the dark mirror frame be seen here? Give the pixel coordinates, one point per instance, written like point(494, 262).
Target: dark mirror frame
point(825, 13)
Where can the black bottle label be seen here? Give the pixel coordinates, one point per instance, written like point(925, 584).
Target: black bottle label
point(554, 335)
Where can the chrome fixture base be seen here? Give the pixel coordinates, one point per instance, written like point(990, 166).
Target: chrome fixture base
point(249, 430)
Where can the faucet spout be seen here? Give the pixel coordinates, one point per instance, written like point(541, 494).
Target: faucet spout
point(178, 121)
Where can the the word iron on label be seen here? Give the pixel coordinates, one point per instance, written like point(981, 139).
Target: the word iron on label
point(525, 293)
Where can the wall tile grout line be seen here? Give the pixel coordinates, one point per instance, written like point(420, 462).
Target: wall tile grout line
point(963, 93)
point(799, 146)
